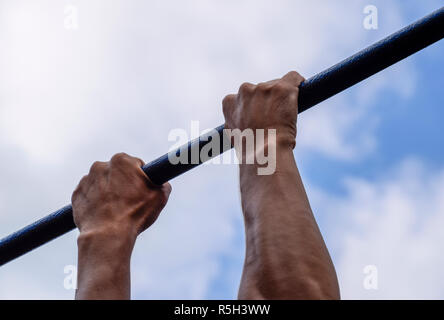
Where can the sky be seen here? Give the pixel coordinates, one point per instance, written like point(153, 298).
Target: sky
point(123, 74)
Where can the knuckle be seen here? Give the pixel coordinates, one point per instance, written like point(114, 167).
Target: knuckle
point(294, 74)
point(224, 109)
point(163, 199)
point(96, 166)
point(168, 189)
point(227, 102)
point(246, 88)
point(74, 196)
point(119, 158)
point(263, 87)
point(161, 196)
point(139, 162)
point(226, 99)
point(83, 180)
point(81, 184)
point(282, 88)
point(78, 191)
point(294, 78)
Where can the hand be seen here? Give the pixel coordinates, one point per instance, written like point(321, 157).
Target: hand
point(116, 198)
point(112, 205)
point(286, 257)
point(268, 105)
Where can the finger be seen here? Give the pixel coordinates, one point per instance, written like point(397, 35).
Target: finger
point(229, 101)
point(269, 83)
point(245, 89)
point(139, 162)
point(83, 181)
point(293, 78)
point(98, 167)
point(81, 187)
point(166, 188)
point(228, 104)
point(165, 191)
point(123, 158)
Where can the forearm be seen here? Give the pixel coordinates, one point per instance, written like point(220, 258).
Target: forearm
point(104, 266)
point(286, 257)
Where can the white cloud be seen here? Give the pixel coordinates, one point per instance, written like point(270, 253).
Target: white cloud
point(165, 61)
point(180, 256)
point(395, 223)
point(129, 74)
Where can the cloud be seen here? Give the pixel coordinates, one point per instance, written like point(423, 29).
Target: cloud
point(169, 62)
point(183, 253)
point(395, 223)
point(129, 74)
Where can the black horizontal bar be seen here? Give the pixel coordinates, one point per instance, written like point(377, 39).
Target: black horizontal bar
point(318, 88)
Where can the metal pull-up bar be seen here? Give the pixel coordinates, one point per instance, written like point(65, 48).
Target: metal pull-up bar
point(318, 88)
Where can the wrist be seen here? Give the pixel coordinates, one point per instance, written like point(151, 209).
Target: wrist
point(286, 140)
point(256, 189)
point(104, 261)
point(105, 243)
point(275, 155)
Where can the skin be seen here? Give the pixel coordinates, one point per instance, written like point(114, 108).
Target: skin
point(286, 257)
point(112, 205)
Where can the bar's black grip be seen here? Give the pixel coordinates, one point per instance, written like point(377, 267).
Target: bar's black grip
point(318, 88)
point(36, 234)
point(162, 170)
point(371, 60)
point(61, 221)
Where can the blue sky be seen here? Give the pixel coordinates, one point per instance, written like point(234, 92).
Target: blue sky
point(408, 129)
point(371, 158)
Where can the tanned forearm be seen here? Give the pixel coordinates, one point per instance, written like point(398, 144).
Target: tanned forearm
point(112, 205)
point(104, 267)
point(286, 257)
